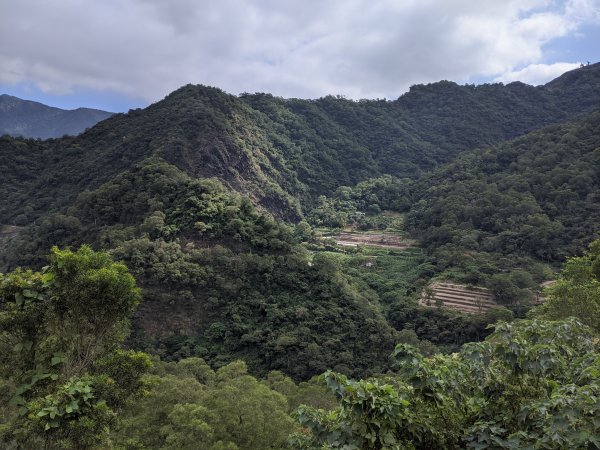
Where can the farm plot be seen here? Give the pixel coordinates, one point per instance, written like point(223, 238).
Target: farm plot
point(370, 239)
point(457, 296)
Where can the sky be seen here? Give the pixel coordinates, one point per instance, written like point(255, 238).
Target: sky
point(121, 54)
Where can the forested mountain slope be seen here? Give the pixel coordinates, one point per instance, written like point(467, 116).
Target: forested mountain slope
point(220, 279)
point(35, 120)
point(200, 194)
point(283, 152)
point(494, 212)
point(538, 194)
point(342, 142)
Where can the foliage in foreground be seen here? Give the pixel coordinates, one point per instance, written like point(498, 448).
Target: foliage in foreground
point(65, 382)
point(530, 384)
point(61, 360)
point(191, 406)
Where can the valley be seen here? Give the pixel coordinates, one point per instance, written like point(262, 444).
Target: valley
point(213, 243)
point(209, 197)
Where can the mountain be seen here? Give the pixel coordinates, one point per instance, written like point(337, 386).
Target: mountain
point(35, 120)
point(284, 153)
point(535, 195)
point(203, 196)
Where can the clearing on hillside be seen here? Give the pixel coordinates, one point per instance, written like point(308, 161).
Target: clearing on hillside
point(463, 298)
point(370, 239)
point(538, 296)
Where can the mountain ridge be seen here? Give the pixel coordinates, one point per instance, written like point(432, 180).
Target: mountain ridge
point(202, 196)
point(30, 119)
point(283, 153)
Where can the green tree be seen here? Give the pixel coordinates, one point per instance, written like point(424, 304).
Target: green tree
point(229, 410)
point(247, 411)
point(577, 291)
point(530, 384)
point(61, 329)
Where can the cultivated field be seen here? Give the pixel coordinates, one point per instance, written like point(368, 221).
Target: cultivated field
point(370, 239)
point(457, 296)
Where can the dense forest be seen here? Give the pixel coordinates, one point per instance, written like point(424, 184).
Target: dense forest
point(66, 382)
point(172, 259)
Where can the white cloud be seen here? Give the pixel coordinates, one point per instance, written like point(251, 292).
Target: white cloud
point(586, 11)
point(536, 74)
point(304, 48)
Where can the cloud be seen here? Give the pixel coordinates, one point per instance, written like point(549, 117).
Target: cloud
point(309, 48)
point(536, 74)
point(584, 11)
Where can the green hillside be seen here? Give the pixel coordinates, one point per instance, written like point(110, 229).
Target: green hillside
point(282, 153)
point(202, 193)
point(534, 196)
point(265, 241)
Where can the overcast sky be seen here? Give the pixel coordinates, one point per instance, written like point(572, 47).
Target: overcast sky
point(119, 54)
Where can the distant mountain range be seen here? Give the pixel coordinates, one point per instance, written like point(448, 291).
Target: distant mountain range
point(35, 120)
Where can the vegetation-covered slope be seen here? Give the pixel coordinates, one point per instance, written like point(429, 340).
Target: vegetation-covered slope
point(196, 128)
point(342, 142)
point(190, 193)
point(221, 279)
point(282, 153)
point(538, 195)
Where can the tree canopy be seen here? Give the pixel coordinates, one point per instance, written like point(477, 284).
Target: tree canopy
point(530, 384)
point(61, 330)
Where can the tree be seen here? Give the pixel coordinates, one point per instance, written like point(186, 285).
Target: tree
point(229, 410)
point(576, 293)
point(530, 384)
point(61, 330)
point(247, 411)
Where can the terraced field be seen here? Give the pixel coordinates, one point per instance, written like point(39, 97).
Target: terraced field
point(370, 239)
point(471, 300)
